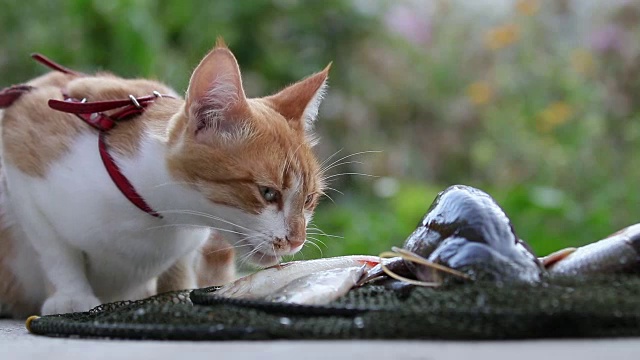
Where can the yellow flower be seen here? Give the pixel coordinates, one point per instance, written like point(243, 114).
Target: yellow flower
point(582, 61)
point(527, 7)
point(554, 115)
point(480, 93)
point(502, 36)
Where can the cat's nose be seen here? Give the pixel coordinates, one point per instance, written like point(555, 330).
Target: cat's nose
point(295, 242)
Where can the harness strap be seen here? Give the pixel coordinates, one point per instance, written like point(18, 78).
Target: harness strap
point(97, 106)
point(53, 65)
point(91, 112)
point(9, 95)
point(121, 181)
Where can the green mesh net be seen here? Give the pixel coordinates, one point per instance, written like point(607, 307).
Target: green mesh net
point(601, 307)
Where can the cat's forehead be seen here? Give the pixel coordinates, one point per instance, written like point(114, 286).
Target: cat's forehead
point(287, 166)
point(280, 154)
point(262, 111)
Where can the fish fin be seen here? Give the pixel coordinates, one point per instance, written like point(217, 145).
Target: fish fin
point(553, 258)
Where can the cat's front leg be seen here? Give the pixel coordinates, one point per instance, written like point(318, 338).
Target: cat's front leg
point(69, 290)
point(180, 276)
point(215, 264)
point(63, 266)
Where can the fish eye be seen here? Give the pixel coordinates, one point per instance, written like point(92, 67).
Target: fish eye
point(269, 194)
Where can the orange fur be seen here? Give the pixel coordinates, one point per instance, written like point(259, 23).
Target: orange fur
point(11, 290)
point(215, 265)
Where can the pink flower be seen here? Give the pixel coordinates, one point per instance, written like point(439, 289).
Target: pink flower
point(607, 39)
point(410, 23)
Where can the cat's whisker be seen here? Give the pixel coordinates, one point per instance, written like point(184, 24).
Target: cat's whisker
point(327, 235)
point(332, 189)
point(312, 225)
point(289, 258)
point(203, 214)
point(317, 247)
point(349, 173)
point(245, 258)
point(244, 240)
point(325, 169)
point(171, 183)
point(318, 240)
point(301, 252)
point(195, 226)
point(329, 158)
point(312, 228)
point(224, 249)
point(354, 154)
point(264, 253)
point(256, 235)
point(328, 197)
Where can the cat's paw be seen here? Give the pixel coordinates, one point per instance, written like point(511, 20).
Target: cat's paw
point(67, 303)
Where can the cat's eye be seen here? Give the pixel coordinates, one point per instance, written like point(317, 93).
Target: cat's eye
point(269, 194)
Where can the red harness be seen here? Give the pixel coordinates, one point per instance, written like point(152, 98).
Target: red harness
point(92, 114)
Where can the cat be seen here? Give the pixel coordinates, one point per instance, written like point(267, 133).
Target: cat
point(226, 175)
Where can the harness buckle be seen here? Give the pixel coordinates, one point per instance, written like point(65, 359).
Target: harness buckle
point(135, 101)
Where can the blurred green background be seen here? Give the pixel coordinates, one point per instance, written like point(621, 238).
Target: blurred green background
point(535, 102)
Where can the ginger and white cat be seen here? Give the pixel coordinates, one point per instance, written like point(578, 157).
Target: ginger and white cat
point(70, 240)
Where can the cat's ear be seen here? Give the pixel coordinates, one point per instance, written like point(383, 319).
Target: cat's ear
point(299, 102)
point(215, 100)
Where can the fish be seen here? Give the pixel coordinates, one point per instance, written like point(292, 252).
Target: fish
point(319, 288)
point(465, 229)
point(465, 234)
point(265, 282)
point(615, 254)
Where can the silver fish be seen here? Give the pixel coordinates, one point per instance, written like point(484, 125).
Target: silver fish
point(319, 288)
point(618, 253)
point(269, 280)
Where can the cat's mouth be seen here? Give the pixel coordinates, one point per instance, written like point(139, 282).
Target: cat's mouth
point(258, 254)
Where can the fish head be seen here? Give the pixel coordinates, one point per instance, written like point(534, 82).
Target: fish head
point(466, 230)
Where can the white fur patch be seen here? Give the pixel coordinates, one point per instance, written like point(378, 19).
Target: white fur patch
point(311, 111)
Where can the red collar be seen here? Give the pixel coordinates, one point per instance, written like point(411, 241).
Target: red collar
point(92, 114)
